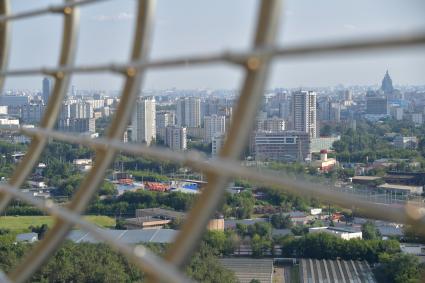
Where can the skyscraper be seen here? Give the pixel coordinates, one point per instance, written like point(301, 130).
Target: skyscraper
point(387, 84)
point(143, 122)
point(47, 89)
point(189, 112)
point(304, 112)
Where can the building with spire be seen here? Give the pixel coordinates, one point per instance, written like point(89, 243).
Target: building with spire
point(387, 84)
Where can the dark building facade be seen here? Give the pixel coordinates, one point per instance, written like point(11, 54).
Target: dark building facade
point(282, 146)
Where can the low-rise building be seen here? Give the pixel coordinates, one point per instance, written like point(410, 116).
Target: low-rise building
point(405, 142)
point(365, 180)
point(401, 189)
point(324, 164)
point(343, 233)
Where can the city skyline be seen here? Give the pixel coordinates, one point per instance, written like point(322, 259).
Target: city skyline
point(176, 35)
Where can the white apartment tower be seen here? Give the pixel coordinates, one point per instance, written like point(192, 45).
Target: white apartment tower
point(176, 138)
point(214, 125)
point(304, 112)
point(80, 110)
point(189, 112)
point(143, 122)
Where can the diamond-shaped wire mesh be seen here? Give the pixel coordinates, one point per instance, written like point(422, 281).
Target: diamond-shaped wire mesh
point(255, 63)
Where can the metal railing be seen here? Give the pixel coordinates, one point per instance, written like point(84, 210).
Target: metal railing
point(254, 62)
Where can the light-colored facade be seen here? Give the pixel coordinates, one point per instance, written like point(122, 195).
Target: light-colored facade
point(417, 118)
point(9, 123)
point(81, 110)
point(163, 120)
point(304, 112)
point(405, 142)
point(338, 232)
point(273, 125)
point(189, 112)
point(144, 121)
point(317, 144)
point(216, 144)
point(397, 113)
point(176, 138)
point(214, 125)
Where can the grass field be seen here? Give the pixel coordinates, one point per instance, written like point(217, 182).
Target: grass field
point(21, 223)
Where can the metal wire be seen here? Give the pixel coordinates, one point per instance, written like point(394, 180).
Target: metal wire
point(238, 57)
point(231, 168)
point(144, 259)
point(255, 62)
point(70, 17)
point(62, 8)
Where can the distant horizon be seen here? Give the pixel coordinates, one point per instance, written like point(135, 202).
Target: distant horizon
point(191, 27)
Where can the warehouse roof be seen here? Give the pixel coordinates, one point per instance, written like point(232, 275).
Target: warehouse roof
point(128, 236)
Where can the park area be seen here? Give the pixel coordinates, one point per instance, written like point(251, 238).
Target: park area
point(20, 224)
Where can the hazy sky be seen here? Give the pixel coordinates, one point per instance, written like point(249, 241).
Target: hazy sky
point(198, 26)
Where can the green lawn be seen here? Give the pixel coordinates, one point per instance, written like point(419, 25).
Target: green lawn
point(21, 223)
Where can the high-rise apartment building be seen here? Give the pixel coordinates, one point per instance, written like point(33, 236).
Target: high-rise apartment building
point(32, 113)
point(304, 112)
point(214, 125)
point(81, 110)
point(189, 112)
point(47, 89)
point(176, 138)
point(144, 121)
point(273, 125)
point(77, 125)
point(163, 120)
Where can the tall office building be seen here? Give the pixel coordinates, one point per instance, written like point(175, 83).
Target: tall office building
point(387, 84)
point(144, 121)
point(47, 89)
point(304, 112)
point(214, 125)
point(189, 112)
point(176, 138)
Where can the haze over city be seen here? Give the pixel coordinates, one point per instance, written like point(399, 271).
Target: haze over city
point(201, 27)
point(267, 168)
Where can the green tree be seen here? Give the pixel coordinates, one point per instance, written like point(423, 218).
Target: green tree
point(370, 232)
point(204, 267)
point(280, 221)
point(400, 268)
point(260, 245)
